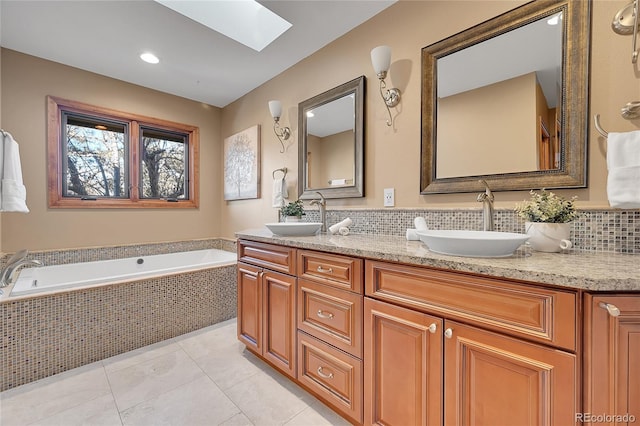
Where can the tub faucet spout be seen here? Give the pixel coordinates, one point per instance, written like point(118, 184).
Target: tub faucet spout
point(15, 262)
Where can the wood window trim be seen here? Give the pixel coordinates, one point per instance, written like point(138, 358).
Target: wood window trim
point(55, 107)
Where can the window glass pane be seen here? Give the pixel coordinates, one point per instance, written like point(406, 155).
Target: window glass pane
point(95, 158)
point(164, 167)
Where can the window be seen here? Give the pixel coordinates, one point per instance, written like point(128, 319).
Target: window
point(109, 159)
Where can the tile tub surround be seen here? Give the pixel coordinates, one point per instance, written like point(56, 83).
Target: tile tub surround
point(596, 230)
point(575, 269)
point(50, 333)
point(66, 256)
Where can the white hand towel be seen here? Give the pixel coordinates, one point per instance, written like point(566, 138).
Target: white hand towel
point(420, 223)
point(336, 228)
point(623, 163)
point(412, 235)
point(13, 194)
point(343, 230)
point(280, 192)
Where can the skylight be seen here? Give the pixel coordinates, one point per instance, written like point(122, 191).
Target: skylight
point(244, 21)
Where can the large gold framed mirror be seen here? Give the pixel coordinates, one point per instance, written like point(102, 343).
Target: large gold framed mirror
point(507, 102)
point(331, 143)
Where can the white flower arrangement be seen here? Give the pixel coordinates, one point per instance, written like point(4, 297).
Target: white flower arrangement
point(547, 207)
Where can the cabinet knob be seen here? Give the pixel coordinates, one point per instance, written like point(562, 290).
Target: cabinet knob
point(432, 328)
point(322, 314)
point(612, 309)
point(448, 333)
point(326, 271)
point(322, 374)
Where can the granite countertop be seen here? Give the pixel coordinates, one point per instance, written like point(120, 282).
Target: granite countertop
point(574, 269)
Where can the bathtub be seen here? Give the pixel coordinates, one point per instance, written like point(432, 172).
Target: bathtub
point(86, 274)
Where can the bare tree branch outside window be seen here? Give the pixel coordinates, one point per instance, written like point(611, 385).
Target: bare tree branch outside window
point(95, 160)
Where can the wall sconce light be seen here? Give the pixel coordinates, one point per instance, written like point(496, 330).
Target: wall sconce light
point(282, 133)
point(381, 60)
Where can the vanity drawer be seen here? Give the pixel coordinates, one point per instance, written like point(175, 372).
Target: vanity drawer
point(271, 256)
point(331, 269)
point(332, 315)
point(332, 375)
point(536, 313)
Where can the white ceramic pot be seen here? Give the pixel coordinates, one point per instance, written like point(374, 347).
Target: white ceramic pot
point(548, 237)
point(292, 219)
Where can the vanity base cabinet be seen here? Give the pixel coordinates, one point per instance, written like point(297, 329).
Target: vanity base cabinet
point(491, 379)
point(266, 315)
point(332, 375)
point(403, 366)
point(612, 359)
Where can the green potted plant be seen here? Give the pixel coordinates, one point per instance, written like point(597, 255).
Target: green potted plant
point(293, 211)
point(547, 218)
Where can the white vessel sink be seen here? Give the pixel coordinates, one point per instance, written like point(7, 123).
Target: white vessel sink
point(294, 229)
point(472, 243)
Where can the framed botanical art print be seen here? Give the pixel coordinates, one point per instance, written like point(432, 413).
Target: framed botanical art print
point(242, 165)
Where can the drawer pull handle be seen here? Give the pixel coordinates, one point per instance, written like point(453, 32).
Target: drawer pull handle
point(327, 271)
point(326, 376)
point(321, 314)
point(612, 309)
point(448, 333)
point(432, 328)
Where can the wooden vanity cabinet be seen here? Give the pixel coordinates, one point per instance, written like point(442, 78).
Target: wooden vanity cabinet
point(330, 303)
point(492, 379)
point(612, 358)
point(403, 378)
point(443, 347)
point(267, 302)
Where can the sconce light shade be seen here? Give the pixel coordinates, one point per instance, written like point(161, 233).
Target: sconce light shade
point(283, 133)
point(276, 108)
point(381, 59)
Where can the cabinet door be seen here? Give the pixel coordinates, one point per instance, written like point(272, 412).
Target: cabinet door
point(279, 321)
point(491, 379)
point(250, 307)
point(403, 366)
point(612, 358)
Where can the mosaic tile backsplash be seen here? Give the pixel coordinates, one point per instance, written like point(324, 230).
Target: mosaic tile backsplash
point(46, 334)
point(597, 230)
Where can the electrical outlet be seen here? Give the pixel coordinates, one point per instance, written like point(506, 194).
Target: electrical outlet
point(389, 197)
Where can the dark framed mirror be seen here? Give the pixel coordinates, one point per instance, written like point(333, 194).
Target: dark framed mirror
point(507, 102)
point(331, 143)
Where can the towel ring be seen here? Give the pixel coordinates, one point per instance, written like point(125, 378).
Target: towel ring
point(596, 122)
point(283, 170)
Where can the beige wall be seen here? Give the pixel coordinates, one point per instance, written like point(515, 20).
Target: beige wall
point(1, 214)
point(26, 81)
point(392, 154)
point(499, 135)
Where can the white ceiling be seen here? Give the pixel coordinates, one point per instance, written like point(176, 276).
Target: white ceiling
point(107, 37)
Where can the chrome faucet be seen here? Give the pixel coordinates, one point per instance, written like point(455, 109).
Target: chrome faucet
point(17, 260)
point(486, 198)
point(322, 204)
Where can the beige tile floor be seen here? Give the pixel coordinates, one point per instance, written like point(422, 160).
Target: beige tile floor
point(202, 378)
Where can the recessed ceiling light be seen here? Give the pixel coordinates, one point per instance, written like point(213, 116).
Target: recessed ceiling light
point(149, 58)
point(245, 21)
